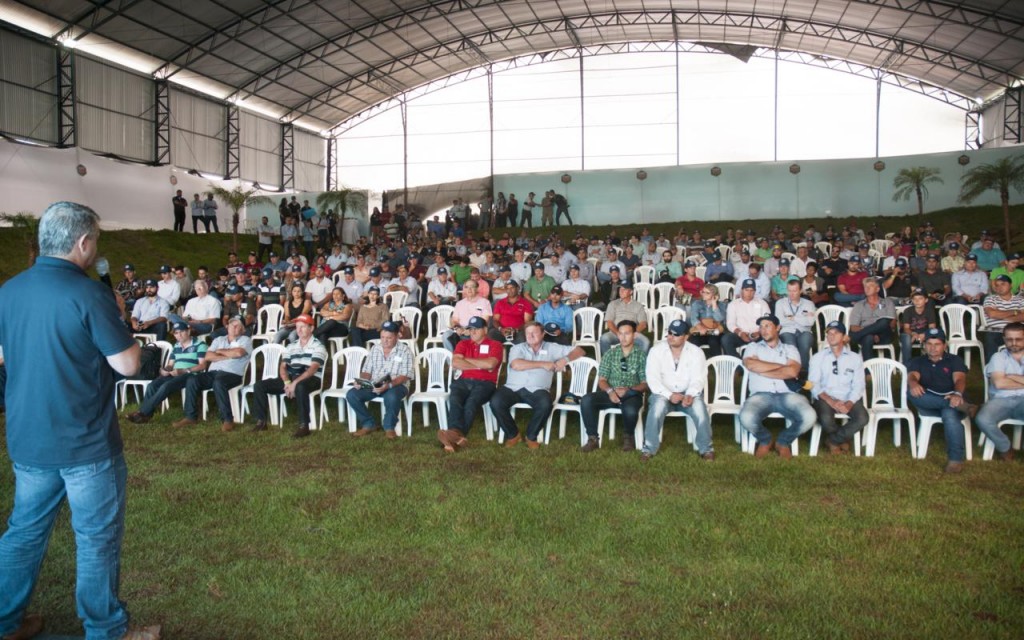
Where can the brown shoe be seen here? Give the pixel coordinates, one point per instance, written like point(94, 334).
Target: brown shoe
point(362, 432)
point(184, 422)
point(301, 432)
point(590, 446)
point(646, 457)
point(511, 442)
point(709, 456)
point(845, 447)
point(972, 410)
point(227, 425)
point(139, 418)
point(784, 452)
point(31, 626)
point(144, 633)
point(390, 434)
point(1006, 456)
point(762, 450)
point(532, 444)
point(835, 449)
point(953, 467)
point(627, 443)
point(261, 425)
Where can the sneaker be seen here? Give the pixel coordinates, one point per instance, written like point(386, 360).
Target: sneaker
point(836, 449)
point(144, 633)
point(709, 456)
point(184, 422)
point(31, 626)
point(227, 425)
point(139, 418)
point(261, 425)
point(513, 441)
point(390, 434)
point(532, 444)
point(362, 432)
point(301, 432)
point(646, 457)
point(590, 446)
point(953, 467)
point(784, 452)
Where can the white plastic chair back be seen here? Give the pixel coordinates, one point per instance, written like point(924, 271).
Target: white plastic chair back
point(662, 317)
point(438, 320)
point(824, 315)
point(396, 299)
point(724, 390)
point(268, 321)
point(881, 246)
point(587, 324)
point(958, 321)
point(663, 294)
point(702, 271)
point(438, 364)
point(825, 248)
point(644, 274)
point(880, 392)
point(726, 291)
point(337, 278)
point(412, 317)
point(788, 255)
point(725, 250)
point(644, 294)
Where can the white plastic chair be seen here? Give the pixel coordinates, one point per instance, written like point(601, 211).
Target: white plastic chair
point(432, 388)
point(825, 248)
point(924, 431)
point(881, 246)
point(139, 386)
point(661, 317)
point(587, 326)
point(701, 271)
point(644, 294)
point(644, 274)
point(747, 439)
point(412, 317)
point(664, 292)
point(233, 394)
point(725, 251)
point(351, 359)
point(726, 290)
point(788, 255)
point(883, 404)
point(282, 406)
point(582, 380)
point(271, 356)
point(723, 396)
point(823, 316)
point(960, 323)
point(268, 322)
point(438, 320)
point(396, 300)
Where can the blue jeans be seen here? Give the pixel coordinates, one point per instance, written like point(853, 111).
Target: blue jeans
point(995, 411)
point(795, 408)
point(658, 406)
point(802, 340)
point(96, 496)
point(198, 328)
point(221, 382)
point(847, 299)
point(865, 337)
point(609, 340)
point(932, 405)
point(906, 349)
point(357, 399)
point(465, 400)
point(160, 389)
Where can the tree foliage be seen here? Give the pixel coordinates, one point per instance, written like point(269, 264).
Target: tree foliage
point(28, 224)
point(1000, 176)
point(914, 181)
point(237, 199)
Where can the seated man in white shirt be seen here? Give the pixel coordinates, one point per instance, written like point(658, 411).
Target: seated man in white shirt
point(441, 290)
point(576, 290)
point(404, 282)
point(202, 313)
point(319, 287)
point(742, 317)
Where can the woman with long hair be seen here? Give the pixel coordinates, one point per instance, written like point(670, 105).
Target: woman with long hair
point(296, 305)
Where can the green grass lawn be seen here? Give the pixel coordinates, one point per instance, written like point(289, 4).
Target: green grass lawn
point(243, 535)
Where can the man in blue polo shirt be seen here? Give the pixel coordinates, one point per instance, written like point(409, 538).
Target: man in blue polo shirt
point(70, 445)
point(188, 357)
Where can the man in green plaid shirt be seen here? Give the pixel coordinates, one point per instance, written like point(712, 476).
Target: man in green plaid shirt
point(622, 381)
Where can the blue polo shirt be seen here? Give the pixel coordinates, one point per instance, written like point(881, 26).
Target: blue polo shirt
point(938, 376)
point(57, 326)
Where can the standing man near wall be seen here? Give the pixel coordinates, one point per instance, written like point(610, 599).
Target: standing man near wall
point(179, 202)
point(197, 213)
point(210, 213)
point(69, 447)
point(561, 206)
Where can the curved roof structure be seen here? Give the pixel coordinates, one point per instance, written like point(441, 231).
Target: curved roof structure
point(322, 62)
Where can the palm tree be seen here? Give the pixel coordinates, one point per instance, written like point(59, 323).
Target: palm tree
point(236, 199)
point(914, 180)
point(339, 200)
point(28, 224)
point(998, 176)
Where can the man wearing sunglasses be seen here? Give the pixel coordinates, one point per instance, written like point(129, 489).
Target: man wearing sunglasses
point(837, 374)
point(622, 381)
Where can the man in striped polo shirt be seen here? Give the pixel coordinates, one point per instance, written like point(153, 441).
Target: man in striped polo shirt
point(1001, 308)
point(300, 373)
point(188, 357)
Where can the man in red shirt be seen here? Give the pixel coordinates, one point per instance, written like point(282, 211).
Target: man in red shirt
point(850, 285)
point(689, 281)
point(479, 359)
point(511, 314)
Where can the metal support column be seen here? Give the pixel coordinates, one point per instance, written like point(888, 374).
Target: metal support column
point(163, 123)
point(405, 151)
point(288, 157)
point(775, 111)
point(972, 130)
point(66, 97)
point(1011, 115)
point(490, 116)
point(878, 111)
point(678, 108)
point(332, 163)
point(233, 145)
point(583, 126)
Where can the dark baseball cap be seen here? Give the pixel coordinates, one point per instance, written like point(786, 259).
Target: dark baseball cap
point(538, 265)
point(678, 328)
point(442, 270)
point(1003, 278)
point(935, 334)
point(556, 289)
point(855, 259)
point(748, 284)
point(770, 317)
point(628, 284)
point(129, 267)
point(552, 328)
point(374, 272)
point(1013, 256)
point(390, 326)
point(954, 245)
point(232, 289)
point(838, 326)
point(297, 268)
point(971, 256)
point(901, 262)
point(350, 271)
point(918, 292)
point(784, 262)
point(166, 268)
point(180, 326)
point(151, 283)
point(575, 266)
point(476, 322)
point(268, 272)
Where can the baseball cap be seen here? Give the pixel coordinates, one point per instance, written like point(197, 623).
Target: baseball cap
point(151, 283)
point(476, 322)
point(864, 245)
point(273, 254)
point(369, 289)
point(901, 262)
point(390, 326)
point(129, 267)
point(784, 262)
point(538, 265)
point(252, 253)
point(626, 284)
point(349, 271)
point(1013, 256)
point(556, 289)
point(918, 292)
point(180, 326)
point(855, 259)
point(1003, 278)
point(935, 334)
point(442, 270)
point(374, 272)
point(305, 318)
point(749, 284)
point(933, 256)
point(297, 268)
point(613, 268)
point(689, 263)
point(574, 266)
point(268, 273)
point(551, 328)
point(717, 255)
point(166, 268)
point(771, 317)
point(678, 328)
point(238, 270)
point(232, 289)
point(954, 245)
point(838, 326)
point(512, 283)
point(971, 256)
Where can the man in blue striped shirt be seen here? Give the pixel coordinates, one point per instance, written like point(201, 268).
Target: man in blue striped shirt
point(188, 357)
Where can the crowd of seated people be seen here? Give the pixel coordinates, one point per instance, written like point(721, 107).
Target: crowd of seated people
point(775, 301)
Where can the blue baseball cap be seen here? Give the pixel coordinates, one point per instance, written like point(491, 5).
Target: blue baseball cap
point(935, 334)
point(442, 270)
point(180, 326)
point(749, 284)
point(678, 328)
point(838, 326)
point(151, 283)
point(551, 328)
point(390, 326)
point(476, 322)
point(770, 317)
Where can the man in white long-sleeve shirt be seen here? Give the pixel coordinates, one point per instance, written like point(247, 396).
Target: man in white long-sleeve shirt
point(676, 374)
point(742, 317)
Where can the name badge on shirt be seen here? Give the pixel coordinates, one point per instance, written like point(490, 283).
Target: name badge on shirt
point(485, 349)
point(543, 352)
